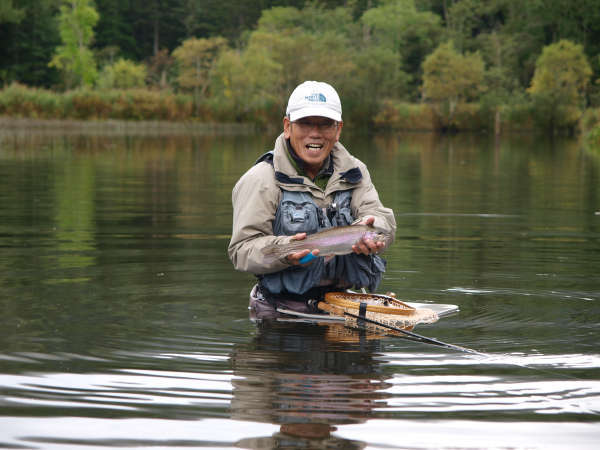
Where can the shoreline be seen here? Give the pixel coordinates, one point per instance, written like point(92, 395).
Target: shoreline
point(118, 127)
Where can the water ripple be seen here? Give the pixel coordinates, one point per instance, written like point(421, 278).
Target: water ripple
point(488, 393)
point(123, 389)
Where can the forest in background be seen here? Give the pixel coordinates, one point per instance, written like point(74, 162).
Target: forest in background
point(399, 64)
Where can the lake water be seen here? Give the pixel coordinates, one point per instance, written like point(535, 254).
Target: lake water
point(125, 325)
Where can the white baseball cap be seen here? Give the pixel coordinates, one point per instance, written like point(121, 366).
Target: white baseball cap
point(314, 98)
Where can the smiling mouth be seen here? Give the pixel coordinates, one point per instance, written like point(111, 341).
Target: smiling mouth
point(314, 147)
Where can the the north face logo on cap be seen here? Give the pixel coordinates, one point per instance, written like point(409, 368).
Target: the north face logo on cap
point(316, 97)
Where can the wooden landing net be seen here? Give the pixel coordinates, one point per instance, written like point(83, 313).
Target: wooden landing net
point(383, 309)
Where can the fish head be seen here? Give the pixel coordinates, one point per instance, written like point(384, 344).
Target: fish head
point(378, 235)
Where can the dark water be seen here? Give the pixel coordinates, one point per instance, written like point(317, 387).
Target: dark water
point(124, 324)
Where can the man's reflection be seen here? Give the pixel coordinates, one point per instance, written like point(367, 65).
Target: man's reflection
point(307, 378)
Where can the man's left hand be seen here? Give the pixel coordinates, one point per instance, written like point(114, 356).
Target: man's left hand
point(367, 246)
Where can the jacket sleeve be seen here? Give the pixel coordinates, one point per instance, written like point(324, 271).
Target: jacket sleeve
point(365, 202)
point(255, 198)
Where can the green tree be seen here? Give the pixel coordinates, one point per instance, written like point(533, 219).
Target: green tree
point(10, 14)
point(123, 74)
point(502, 87)
point(115, 28)
point(466, 19)
point(522, 28)
point(562, 75)
point(158, 24)
point(295, 45)
point(227, 18)
point(451, 78)
point(302, 56)
point(377, 76)
point(246, 85)
point(574, 20)
point(74, 57)
point(398, 26)
point(289, 46)
point(27, 46)
point(196, 59)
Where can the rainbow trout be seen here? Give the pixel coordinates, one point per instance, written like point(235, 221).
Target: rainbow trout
point(332, 241)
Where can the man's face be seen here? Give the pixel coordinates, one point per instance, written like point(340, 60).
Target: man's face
point(312, 139)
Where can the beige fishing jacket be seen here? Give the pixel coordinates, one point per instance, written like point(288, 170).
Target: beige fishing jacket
point(256, 197)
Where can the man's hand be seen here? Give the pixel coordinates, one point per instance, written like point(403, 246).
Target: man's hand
point(367, 246)
point(294, 258)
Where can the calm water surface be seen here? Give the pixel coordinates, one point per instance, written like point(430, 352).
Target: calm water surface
point(124, 324)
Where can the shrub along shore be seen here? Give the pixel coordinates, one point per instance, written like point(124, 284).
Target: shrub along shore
point(151, 106)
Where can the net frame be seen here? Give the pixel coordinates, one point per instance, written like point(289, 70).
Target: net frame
point(379, 308)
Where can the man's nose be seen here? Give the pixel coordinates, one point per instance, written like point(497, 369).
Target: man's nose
point(315, 128)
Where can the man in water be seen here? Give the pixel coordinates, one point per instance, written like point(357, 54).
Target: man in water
point(308, 183)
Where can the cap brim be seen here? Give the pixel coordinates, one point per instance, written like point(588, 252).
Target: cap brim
point(318, 112)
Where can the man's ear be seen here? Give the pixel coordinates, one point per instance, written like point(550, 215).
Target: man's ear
point(287, 127)
point(339, 130)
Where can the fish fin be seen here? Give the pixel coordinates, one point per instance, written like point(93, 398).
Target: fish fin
point(272, 253)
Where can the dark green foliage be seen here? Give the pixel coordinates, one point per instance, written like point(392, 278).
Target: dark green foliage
point(115, 28)
point(372, 50)
point(28, 46)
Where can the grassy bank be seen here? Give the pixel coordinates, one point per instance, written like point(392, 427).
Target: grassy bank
point(132, 104)
point(465, 117)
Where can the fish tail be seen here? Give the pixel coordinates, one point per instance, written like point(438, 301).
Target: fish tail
point(274, 252)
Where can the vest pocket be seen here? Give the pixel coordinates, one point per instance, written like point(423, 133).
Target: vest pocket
point(297, 218)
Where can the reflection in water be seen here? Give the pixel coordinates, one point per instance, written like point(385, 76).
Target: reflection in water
point(308, 379)
point(123, 322)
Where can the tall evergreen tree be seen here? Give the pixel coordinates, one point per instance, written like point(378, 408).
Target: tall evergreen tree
point(27, 45)
point(9, 13)
point(115, 29)
point(156, 24)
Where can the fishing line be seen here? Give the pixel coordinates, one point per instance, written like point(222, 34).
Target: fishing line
point(415, 336)
point(420, 338)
